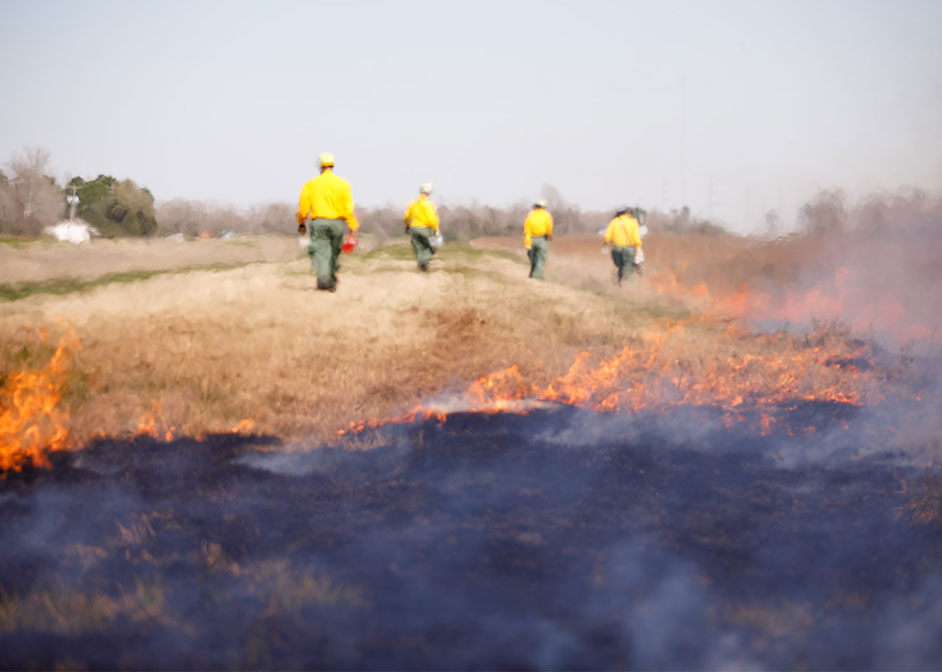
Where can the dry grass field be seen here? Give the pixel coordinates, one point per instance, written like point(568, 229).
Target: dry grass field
point(185, 338)
point(197, 336)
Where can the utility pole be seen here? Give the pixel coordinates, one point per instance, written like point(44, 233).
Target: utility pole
point(73, 200)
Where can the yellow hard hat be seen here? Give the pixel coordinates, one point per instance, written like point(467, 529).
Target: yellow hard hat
point(426, 188)
point(326, 159)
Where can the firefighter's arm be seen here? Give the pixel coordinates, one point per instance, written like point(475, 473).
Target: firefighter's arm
point(304, 207)
point(608, 237)
point(433, 217)
point(348, 214)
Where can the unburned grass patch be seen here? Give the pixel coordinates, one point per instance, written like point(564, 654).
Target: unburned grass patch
point(20, 243)
point(24, 349)
point(63, 286)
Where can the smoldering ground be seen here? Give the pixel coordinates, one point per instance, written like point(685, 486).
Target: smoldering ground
point(560, 538)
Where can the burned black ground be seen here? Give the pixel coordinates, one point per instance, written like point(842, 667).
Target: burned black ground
point(559, 539)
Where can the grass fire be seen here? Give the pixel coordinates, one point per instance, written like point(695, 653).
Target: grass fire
point(730, 462)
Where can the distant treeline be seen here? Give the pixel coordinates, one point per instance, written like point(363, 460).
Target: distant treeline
point(460, 222)
point(30, 200)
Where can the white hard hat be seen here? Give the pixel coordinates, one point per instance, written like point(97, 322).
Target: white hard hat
point(426, 188)
point(540, 204)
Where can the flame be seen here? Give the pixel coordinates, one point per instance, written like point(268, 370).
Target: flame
point(757, 378)
point(245, 426)
point(651, 376)
point(32, 424)
point(419, 412)
point(148, 422)
point(846, 296)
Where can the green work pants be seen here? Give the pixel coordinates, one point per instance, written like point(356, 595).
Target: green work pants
point(326, 241)
point(423, 248)
point(623, 257)
point(539, 246)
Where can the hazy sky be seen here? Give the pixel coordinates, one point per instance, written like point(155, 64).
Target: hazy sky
point(734, 108)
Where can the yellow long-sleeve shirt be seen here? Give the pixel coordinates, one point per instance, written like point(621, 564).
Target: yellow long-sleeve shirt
point(327, 196)
point(421, 212)
point(538, 223)
point(623, 231)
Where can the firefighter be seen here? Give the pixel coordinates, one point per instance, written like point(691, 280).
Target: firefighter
point(537, 232)
point(624, 235)
point(328, 201)
point(422, 222)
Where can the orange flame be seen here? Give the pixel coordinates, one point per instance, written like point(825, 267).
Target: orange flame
point(837, 298)
point(655, 374)
point(244, 426)
point(651, 377)
point(147, 424)
point(32, 424)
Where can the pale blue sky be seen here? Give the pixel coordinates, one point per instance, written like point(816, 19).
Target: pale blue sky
point(732, 107)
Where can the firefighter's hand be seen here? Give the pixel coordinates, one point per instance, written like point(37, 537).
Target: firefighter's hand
point(302, 229)
point(407, 229)
point(549, 236)
point(350, 243)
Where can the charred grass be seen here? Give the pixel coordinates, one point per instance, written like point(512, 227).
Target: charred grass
point(474, 542)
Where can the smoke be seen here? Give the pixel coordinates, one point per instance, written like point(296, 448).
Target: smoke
point(555, 539)
point(872, 266)
point(909, 634)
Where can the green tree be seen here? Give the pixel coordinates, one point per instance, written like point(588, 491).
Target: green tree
point(133, 209)
point(116, 208)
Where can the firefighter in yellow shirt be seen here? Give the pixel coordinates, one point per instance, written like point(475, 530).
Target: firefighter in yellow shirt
point(329, 203)
point(422, 222)
point(624, 234)
point(537, 232)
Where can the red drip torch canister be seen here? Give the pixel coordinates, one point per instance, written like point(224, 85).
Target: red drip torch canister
point(349, 244)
